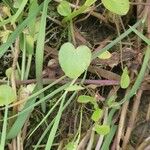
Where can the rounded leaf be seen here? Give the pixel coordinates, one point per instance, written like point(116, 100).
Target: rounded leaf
point(105, 55)
point(64, 8)
point(120, 7)
point(97, 114)
point(74, 88)
point(74, 61)
point(7, 95)
point(8, 72)
point(102, 129)
point(85, 99)
point(125, 79)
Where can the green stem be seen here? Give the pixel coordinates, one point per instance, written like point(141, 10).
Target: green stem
point(75, 13)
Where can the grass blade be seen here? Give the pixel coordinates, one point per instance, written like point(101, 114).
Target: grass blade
point(55, 125)
point(19, 11)
point(22, 116)
point(139, 79)
point(19, 29)
point(144, 38)
point(48, 128)
point(4, 130)
point(108, 139)
point(122, 36)
point(57, 120)
point(40, 49)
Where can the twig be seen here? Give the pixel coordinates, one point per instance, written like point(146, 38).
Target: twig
point(84, 141)
point(15, 59)
point(121, 124)
point(88, 81)
point(136, 104)
point(144, 145)
point(140, 3)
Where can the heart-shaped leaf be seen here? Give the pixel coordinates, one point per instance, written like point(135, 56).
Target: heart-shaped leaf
point(120, 7)
point(7, 95)
point(74, 61)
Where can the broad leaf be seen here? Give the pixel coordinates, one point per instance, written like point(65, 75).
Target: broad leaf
point(64, 8)
point(7, 95)
point(120, 7)
point(74, 61)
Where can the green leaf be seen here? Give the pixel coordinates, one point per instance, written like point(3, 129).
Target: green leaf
point(64, 8)
point(74, 61)
point(102, 129)
point(29, 43)
point(97, 114)
point(120, 7)
point(4, 47)
point(8, 72)
point(105, 55)
point(74, 88)
point(125, 79)
point(111, 100)
point(70, 146)
point(85, 99)
point(7, 95)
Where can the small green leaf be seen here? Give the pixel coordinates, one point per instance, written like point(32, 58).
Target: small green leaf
point(74, 61)
point(7, 95)
point(125, 79)
point(120, 7)
point(105, 55)
point(8, 72)
point(102, 129)
point(97, 114)
point(85, 99)
point(111, 100)
point(74, 88)
point(70, 146)
point(64, 8)
point(29, 43)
